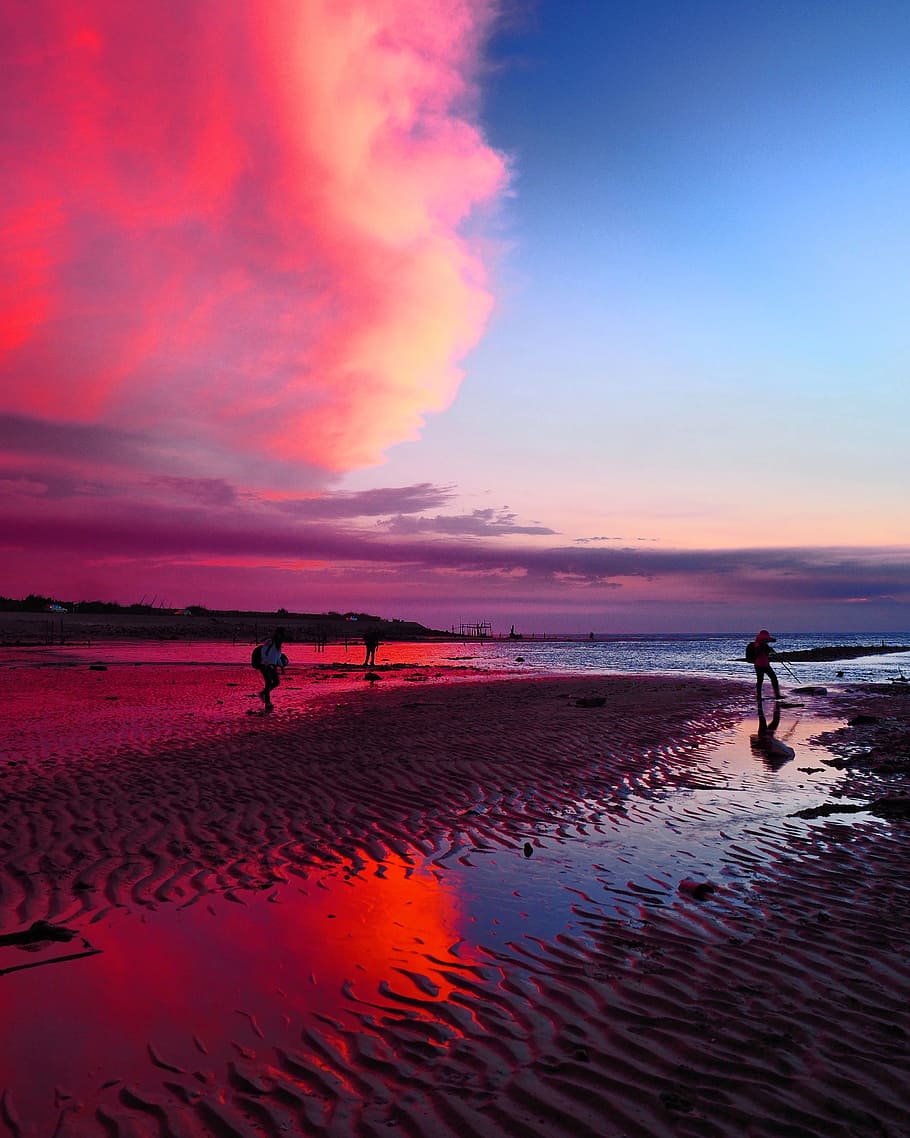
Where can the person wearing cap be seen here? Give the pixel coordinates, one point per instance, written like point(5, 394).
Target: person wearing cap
point(762, 662)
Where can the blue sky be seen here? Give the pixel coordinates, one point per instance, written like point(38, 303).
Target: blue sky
point(700, 337)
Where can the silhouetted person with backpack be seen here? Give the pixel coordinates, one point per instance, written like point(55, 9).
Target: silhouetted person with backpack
point(760, 653)
point(267, 658)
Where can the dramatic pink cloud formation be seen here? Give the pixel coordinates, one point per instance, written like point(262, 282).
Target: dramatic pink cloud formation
point(242, 223)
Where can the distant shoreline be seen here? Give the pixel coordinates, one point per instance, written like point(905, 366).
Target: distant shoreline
point(21, 629)
point(52, 629)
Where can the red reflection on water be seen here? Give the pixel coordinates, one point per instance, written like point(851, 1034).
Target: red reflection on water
point(178, 992)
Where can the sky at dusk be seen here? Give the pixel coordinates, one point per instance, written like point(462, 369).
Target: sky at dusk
point(575, 316)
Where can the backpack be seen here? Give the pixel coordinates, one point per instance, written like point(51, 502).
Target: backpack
point(256, 658)
point(751, 652)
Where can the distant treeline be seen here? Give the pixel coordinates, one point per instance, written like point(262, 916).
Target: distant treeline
point(34, 602)
point(101, 619)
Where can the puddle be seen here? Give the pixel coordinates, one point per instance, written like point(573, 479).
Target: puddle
point(189, 990)
point(620, 858)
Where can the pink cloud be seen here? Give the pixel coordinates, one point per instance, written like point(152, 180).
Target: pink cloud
point(243, 225)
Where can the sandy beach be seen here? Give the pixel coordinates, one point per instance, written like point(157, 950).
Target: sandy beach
point(446, 904)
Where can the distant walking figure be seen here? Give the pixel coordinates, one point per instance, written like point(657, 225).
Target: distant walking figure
point(371, 641)
point(268, 658)
point(762, 662)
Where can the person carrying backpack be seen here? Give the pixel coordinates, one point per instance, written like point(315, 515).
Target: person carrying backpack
point(759, 654)
point(267, 658)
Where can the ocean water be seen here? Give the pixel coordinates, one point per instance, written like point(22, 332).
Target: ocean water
point(706, 655)
point(714, 655)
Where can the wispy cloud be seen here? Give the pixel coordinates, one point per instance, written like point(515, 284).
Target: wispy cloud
point(96, 443)
point(207, 491)
point(479, 523)
point(208, 524)
point(373, 503)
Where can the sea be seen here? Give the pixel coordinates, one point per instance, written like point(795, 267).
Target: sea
point(719, 655)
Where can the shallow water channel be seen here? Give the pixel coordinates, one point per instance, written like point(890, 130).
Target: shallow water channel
point(737, 818)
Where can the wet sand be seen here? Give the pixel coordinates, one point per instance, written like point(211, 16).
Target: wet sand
point(411, 908)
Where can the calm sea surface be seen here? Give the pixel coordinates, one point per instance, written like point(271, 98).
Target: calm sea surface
point(700, 655)
point(715, 655)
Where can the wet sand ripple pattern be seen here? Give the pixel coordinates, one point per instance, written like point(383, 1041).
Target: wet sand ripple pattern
point(365, 780)
point(782, 1018)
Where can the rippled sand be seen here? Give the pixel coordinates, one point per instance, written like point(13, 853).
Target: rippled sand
point(420, 907)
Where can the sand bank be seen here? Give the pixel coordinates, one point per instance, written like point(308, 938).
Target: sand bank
point(346, 918)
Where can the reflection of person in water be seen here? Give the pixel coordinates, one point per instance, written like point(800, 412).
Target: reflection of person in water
point(765, 729)
point(764, 741)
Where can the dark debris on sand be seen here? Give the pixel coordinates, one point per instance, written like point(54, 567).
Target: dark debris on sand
point(873, 747)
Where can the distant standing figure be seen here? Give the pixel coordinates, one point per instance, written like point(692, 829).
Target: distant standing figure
point(271, 658)
point(762, 662)
point(371, 641)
